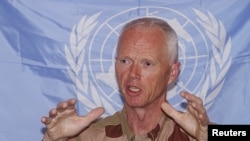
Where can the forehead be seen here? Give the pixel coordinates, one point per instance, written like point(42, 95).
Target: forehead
point(143, 39)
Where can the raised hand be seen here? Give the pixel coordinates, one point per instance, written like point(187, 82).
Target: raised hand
point(195, 121)
point(63, 121)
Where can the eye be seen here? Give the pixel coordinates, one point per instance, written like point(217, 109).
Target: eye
point(148, 63)
point(124, 61)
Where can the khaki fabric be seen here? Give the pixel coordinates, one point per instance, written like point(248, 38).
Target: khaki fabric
point(115, 128)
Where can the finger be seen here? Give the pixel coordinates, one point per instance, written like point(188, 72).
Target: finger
point(170, 111)
point(53, 113)
point(72, 102)
point(204, 120)
point(94, 114)
point(192, 111)
point(202, 115)
point(45, 120)
point(69, 104)
point(197, 106)
point(191, 98)
point(61, 106)
point(198, 110)
point(194, 102)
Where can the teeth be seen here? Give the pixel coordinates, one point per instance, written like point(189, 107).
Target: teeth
point(133, 89)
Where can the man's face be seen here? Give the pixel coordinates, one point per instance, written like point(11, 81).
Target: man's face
point(142, 67)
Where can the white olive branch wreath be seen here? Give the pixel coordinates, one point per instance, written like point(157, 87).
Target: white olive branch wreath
point(75, 54)
point(221, 60)
point(77, 70)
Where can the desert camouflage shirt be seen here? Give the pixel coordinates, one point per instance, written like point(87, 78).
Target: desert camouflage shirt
point(115, 128)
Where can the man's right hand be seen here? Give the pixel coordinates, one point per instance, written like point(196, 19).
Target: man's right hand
point(64, 122)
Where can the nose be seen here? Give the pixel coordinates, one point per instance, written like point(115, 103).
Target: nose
point(135, 72)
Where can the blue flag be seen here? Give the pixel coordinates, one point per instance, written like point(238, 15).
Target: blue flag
point(55, 50)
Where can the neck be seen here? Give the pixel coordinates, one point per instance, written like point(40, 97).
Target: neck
point(144, 119)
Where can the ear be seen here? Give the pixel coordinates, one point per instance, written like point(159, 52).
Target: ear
point(174, 73)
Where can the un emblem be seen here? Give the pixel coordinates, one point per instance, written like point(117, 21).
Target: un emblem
point(204, 56)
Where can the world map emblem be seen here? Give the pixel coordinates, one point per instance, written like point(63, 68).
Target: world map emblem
point(92, 50)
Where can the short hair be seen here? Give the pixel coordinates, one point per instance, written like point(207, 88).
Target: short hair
point(171, 36)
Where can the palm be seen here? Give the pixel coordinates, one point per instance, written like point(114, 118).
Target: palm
point(64, 122)
point(194, 121)
point(191, 123)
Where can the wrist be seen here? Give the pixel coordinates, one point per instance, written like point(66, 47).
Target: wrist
point(46, 138)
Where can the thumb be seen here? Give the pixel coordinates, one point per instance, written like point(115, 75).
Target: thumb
point(170, 111)
point(93, 115)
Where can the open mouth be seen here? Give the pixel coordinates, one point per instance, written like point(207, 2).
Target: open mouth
point(133, 89)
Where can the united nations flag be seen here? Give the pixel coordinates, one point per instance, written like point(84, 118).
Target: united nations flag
point(55, 50)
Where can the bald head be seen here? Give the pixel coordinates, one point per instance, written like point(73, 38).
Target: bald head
point(171, 40)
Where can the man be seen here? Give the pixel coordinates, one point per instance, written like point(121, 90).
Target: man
point(146, 65)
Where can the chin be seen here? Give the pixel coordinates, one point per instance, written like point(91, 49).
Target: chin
point(135, 104)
